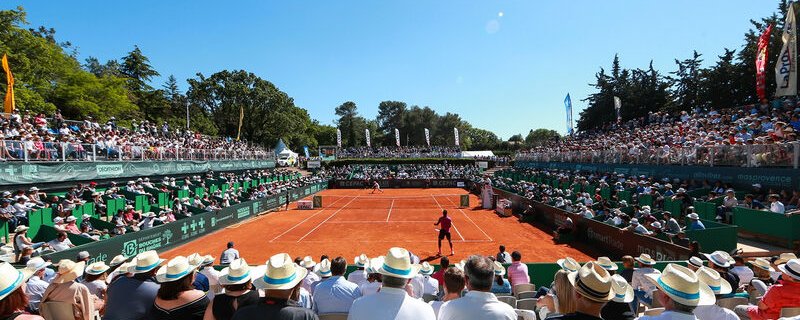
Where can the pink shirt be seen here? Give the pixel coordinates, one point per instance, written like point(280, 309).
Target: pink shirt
point(780, 295)
point(518, 273)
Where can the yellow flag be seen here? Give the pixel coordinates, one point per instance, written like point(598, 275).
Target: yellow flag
point(9, 101)
point(241, 117)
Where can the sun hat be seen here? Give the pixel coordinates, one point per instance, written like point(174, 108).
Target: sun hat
point(11, 279)
point(361, 260)
point(693, 216)
point(606, 263)
point(695, 261)
point(785, 257)
point(69, 270)
point(207, 260)
point(36, 264)
point(712, 278)
point(568, 264)
point(20, 229)
point(656, 225)
point(763, 264)
point(97, 268)
point(645, 259)
point(117, 260)
point(682, 285)
point(83, 255)
point(718, 258)
point(281, 274)
point(33, 189)
point(195, 259)
point(308, 262)
point(58, 220)
point(176, 268)
point(791, 268)
point(325, 268)
point(237, 272)
point(145, 262)
point(427, 269)
point(634, 221)
point(593, 282)
point(374, 264)
point(499, 270)
point(623, 292)
point(397, 263)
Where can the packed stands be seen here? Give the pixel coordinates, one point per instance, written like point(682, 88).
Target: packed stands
point(401, 171)
point(399, 152)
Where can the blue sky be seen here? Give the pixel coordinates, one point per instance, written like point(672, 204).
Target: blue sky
point(502, 65)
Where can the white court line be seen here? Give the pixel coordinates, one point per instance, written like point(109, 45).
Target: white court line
point(387, 241)
point(323, 221)
point(382, 221)
point(453, 224)
point(304, 220)
point(390, 211)
point(470, 219)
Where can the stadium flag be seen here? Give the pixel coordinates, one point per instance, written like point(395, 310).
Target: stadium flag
point(241, 117)
point(338, 138)
point(366, 134)
point(761, 63)
point(9, 101)
point(305, 150)
point(455, 134)
point(427, 137)
point(568, 105)
point(618, 108)
point(786, 68)
point(397, 137)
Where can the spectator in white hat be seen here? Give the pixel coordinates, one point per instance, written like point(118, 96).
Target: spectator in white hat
point(359, 276)
point(280, 282)
point(335, 294)
point(720, 261)
point(775, 205)
point(373, 283)
point(680, 292)
point(694, 263)
point(593, 289)
point(64, 288)
point(177, 298)
point(423, 284)
point(641, 287)
point(479, 302)
point(392, 301)
point(13, 300)
point(720, 287)
point(620, 306)
point(762, 279)
point(454, 284)
point(781, 295)
point(500, 283)
point(95, 279)
point(133, 297)
point(311, 277)
point(36, 286)
point(238, 292)
point(696, 224)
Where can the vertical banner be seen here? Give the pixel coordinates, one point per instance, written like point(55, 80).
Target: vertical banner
point(761, 64)
point(366, 134)
point(568, 105)
point(397, 137)
point(241, 118)
point(305, 150)
point(786, 67)
point(455, 134)
point(427, 137)
point(338, 138)
point(9, 101)
point(618, 108)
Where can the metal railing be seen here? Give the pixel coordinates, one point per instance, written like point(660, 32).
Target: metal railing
point(11, 150)
point(749, 156)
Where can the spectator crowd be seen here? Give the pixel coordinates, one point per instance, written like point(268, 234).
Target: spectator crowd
point(401, 171)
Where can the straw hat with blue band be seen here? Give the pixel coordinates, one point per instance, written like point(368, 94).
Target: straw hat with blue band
point(606, 263)
point(397, 263)
point(177, 268)
point(791, 268)
point(361, 261)
point(763, 264)
point(683, 286)
point(97, 268)
point(592, 282)
point(145, 262)
point(695, 261)
point(118, 260)
point(426, 269)
point(568, 264)
point(719, 258)
point(11, 279)
point(374, 264)
point(281, 274)
point(36, 264)
point(325, 268)
point(713, 280)
point(645, 259)
point(237, 272)
point(499, 270)
point(623, 292)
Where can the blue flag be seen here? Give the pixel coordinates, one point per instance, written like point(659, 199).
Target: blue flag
point(568, 105)
point(305, 149)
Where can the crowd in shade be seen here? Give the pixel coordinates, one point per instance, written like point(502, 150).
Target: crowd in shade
point(37, 137)
point(686, 137)
point(397, 286)
point(196, 196)
point(399, 152)
point(401, 171)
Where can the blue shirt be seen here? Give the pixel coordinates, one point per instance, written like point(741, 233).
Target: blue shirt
point(697, 225)
point(335, 295)
point(130, 298)
point(504, 288)
point(201, 282)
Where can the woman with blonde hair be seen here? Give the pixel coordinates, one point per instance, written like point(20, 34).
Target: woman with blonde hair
point(560, 300)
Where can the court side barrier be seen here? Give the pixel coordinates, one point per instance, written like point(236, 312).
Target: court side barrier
point(716, 236)
point(400, 183)
point(769, 226)
point(170, 235)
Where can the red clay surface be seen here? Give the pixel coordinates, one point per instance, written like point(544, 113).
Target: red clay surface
point(354, 221)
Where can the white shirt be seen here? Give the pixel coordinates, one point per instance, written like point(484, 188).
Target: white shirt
point(714, 312)
point(97, 288)
point(358, 277)
point(436, 305)
point(334, 295)
point(390, 303)
point(670, 315)
point(228, 256)
point(745, 274)
point(638, 280)
point(777, 207)
point(213, 277)
point(369, 288)
point(424, 285)
point(60, 246)
point(35, 289)
point(309, 280)
point(476, 305)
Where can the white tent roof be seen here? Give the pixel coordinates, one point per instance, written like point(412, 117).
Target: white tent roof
point(472, 154)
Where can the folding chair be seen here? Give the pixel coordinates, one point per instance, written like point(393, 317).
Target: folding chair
point(333, 316)
point(509, 300)
point(523, 287)
point(526, 304)
point(790, 312)
point(526, 295)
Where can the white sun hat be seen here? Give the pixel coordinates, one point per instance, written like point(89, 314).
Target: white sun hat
point(695, 261)
point(307, 262)
point(176, 268)
point(623, 292)
point(281, 274)
point(375, 264)
point(325, 268)
point(718, 258)
point(763, 264)
point(145, 262)
point(568, 264)
point(97, 268)
point(426, 269)
point(499, 270)
point(791, 268)
point(237, 272)
point(592, 282)
point(69, 270)
point(36, 264)
point(118, 260)
point(11, 279)
point(682, 285)
point(606, 263)
point(397, 263)
point(361, 261)
point(712, 278)
point(645, 259)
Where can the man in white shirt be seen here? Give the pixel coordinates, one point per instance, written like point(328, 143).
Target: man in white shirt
point(392, 301)
point(423, 283)
point(479, 302)
point(36, 286)
point(61, 242)
point(741, 270)
point(775, 205)
point(229, 254)
point(359, 276)
point(336, 294)
point(641, 286)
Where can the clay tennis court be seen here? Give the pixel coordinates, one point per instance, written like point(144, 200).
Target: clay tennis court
point(355, 221)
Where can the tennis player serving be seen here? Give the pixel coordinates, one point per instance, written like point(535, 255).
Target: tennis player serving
point(446, 223)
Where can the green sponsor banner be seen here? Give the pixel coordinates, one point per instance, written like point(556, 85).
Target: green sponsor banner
point(15, 173)
point(170, 235)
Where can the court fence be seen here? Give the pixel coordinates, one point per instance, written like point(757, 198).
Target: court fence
point(400, 183)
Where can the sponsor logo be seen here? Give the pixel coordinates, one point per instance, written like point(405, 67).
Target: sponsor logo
point(109, 169)
point(242, 212)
